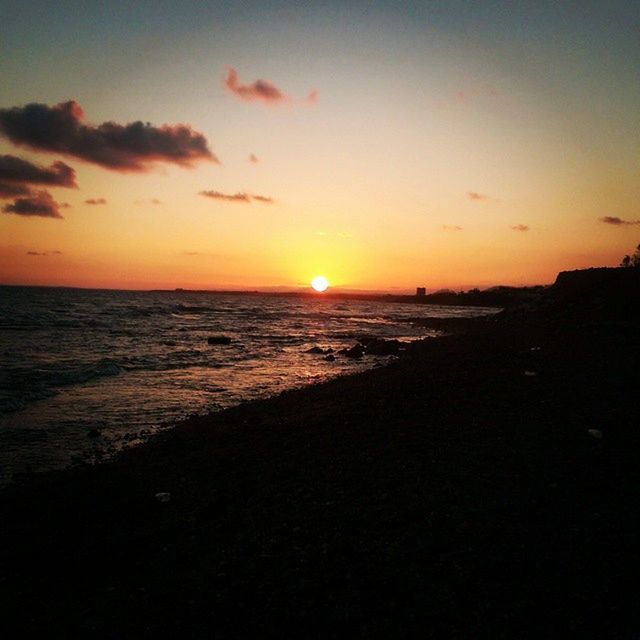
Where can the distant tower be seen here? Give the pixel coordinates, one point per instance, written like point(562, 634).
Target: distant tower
point(421, 291)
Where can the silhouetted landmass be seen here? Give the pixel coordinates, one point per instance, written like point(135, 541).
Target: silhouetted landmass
point(484, 485)
point(501, 296)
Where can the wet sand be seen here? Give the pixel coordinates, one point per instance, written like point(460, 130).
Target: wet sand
point(456, 493)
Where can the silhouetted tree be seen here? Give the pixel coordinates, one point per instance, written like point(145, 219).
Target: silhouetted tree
point(632, 261)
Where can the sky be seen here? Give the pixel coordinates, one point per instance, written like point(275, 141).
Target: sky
point(255, 145)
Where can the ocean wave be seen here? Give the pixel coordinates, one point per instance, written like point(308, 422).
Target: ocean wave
point(21, 386)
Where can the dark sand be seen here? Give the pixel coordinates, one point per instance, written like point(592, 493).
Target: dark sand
point(448, 495)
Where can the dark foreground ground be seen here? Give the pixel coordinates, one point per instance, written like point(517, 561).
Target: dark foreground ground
point(450, 495)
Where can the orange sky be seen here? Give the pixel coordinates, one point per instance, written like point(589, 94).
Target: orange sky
point(393, 150)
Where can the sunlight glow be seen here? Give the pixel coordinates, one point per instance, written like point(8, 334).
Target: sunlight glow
point(320, 283)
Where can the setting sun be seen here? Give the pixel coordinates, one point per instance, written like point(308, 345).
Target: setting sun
point(320, 283)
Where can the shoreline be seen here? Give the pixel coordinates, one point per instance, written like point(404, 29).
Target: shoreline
point(446, 494)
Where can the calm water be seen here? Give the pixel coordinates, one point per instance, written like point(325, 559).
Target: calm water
point(84, 373)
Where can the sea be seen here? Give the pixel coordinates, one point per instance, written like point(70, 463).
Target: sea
point(86, 373)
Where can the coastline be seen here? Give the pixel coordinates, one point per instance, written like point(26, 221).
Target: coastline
point(447, 494)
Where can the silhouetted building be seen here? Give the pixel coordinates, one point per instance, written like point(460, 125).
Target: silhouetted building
point(421, 291)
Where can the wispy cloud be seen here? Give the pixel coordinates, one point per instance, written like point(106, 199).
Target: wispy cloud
point(39, 204)
point(451, 227)
point(18, 170)
point(44, 253)
point(236, 197)
point(474, 195)
point(265, 199)
point(262, 91)
point(136, 146)
point(519, 227)
point(617, 222)
point(96, 201)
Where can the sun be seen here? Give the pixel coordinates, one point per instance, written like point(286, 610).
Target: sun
point(320, 283)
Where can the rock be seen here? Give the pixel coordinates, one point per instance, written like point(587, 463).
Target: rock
point(163, 496)
point(330, 357)
point(357, 351)
point(317, 350)
point(219, 340)
point(530, 374)
point(595, 433)
point(169, 343)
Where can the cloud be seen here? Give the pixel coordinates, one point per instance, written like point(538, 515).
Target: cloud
point(13, 169)
point(13, 190)
point(617, 222)
point(132, 147)
point(253, 158)
point(236, 197)
point(264, 199)
point(474, 195)
point(96, 201)
point(155, 201)
point(44, 253)
point(451, 227)
point(39, 203)
point(262, 91)
point(519, 227)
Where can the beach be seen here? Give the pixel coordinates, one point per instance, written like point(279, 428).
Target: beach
point(484, 484)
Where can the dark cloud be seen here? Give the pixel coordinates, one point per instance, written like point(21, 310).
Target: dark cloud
point(13, 190)
point(617, 222)
point(474, 195)
point(96, 201)
point(14, 169)
point(264, 199)
point(44, 253)
point(519, 227)
point(261, 91)
point(155, 201)
point(229, 197)
point(451, 227)
point(253, 158)
point(131, 147)
point(235, 197)
point(39, 203)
